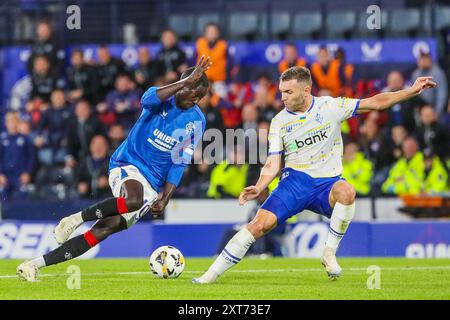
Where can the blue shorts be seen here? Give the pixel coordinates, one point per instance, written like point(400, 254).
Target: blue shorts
point(298, 191)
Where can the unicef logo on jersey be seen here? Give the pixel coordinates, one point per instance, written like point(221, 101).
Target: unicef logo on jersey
point(190, 127)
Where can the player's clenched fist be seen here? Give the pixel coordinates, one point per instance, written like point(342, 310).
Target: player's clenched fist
point(249, 193)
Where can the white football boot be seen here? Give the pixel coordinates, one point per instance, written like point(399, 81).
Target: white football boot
point(207, 278)
point(28, 271)
point(65, 228)
point(330, 263)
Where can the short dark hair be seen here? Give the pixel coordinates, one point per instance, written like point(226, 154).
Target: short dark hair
point(202, 82)
point(301, 74)
point(211, 24)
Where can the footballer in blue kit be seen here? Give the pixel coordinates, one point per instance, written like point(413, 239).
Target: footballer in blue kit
point(144, 171)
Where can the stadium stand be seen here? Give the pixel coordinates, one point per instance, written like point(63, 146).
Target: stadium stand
point(115, 104)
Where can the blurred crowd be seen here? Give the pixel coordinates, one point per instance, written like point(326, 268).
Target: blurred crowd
point(64, 122)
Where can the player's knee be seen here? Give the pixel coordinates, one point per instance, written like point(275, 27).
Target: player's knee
point(346, 194)
point(134, 202)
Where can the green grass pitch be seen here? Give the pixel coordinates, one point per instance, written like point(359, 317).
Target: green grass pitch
point(273, 278)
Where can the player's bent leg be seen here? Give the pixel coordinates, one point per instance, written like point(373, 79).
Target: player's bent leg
point(73, 248)
point(238, 246)
point(342, 199)
point(130, 199)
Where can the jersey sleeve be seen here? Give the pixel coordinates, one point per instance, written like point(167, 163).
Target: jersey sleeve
point(275, 140)
point(150, 99)
point(344, 107)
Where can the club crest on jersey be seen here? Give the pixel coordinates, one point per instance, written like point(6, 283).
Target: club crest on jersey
point(190, 127)
point(319, 118)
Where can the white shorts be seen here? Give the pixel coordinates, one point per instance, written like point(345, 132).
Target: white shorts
point(118, 176)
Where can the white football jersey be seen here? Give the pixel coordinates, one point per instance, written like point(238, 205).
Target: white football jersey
point(312, 141)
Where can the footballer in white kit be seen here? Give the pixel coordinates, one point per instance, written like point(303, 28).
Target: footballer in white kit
point(307, 134)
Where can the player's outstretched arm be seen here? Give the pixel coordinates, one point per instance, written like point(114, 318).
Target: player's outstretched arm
point(386, 100)
point(167, 91)
point(268, 173)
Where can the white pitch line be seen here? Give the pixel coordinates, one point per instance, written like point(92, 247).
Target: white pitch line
point(238, 271)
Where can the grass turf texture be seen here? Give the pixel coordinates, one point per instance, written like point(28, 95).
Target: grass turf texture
point(273, 278)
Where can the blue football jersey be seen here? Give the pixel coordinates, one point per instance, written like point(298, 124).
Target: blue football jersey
point(162, 141)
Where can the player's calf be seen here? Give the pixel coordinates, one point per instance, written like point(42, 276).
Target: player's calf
point(73, 248)
point(342, 197)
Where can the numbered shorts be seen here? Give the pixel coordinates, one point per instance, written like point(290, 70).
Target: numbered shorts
point(118, 176)
point(298, 191)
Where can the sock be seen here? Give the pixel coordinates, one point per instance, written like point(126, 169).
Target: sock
point(340, 219)
point(39, 262)
point(106, 208)
point(233, 252)
point(71, 249)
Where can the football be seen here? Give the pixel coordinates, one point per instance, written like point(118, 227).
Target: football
point(167, 262)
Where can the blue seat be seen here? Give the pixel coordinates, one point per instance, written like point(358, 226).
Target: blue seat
point(280, 23)
point(306, 23)
point(243, 24)
point(182, 24)
point(340, 22)
point(402, 21)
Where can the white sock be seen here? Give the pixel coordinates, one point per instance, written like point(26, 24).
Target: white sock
point(233, 252)
point(340, 219)
point(39, 262)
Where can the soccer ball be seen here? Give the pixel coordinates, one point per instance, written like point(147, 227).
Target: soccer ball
point(167, 262)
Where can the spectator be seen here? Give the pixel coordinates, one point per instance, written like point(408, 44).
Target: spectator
point(375, 146)
point(16, 159)
point(145, 72)
point(43, 83)
point(250, 116)
point(122, 104)
point(264, 83)
point(213, 116)
point(93, 170)
point(46, 46)
point(211, 44)
point(398, 136)
point(325, 73)
point(402, 114)
point(229, 177)
point(407, 174)
point(82, 79)
point(171, 59)
point(357, 170)
point(432, 134)
point(196, 179)
point(81, 130)
point(116, 135)
point(291, 58)
point(346, 71)
point(52, 130)
point(265, 109)
point(438, 96)
point(436, 176)
point(108, 69)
